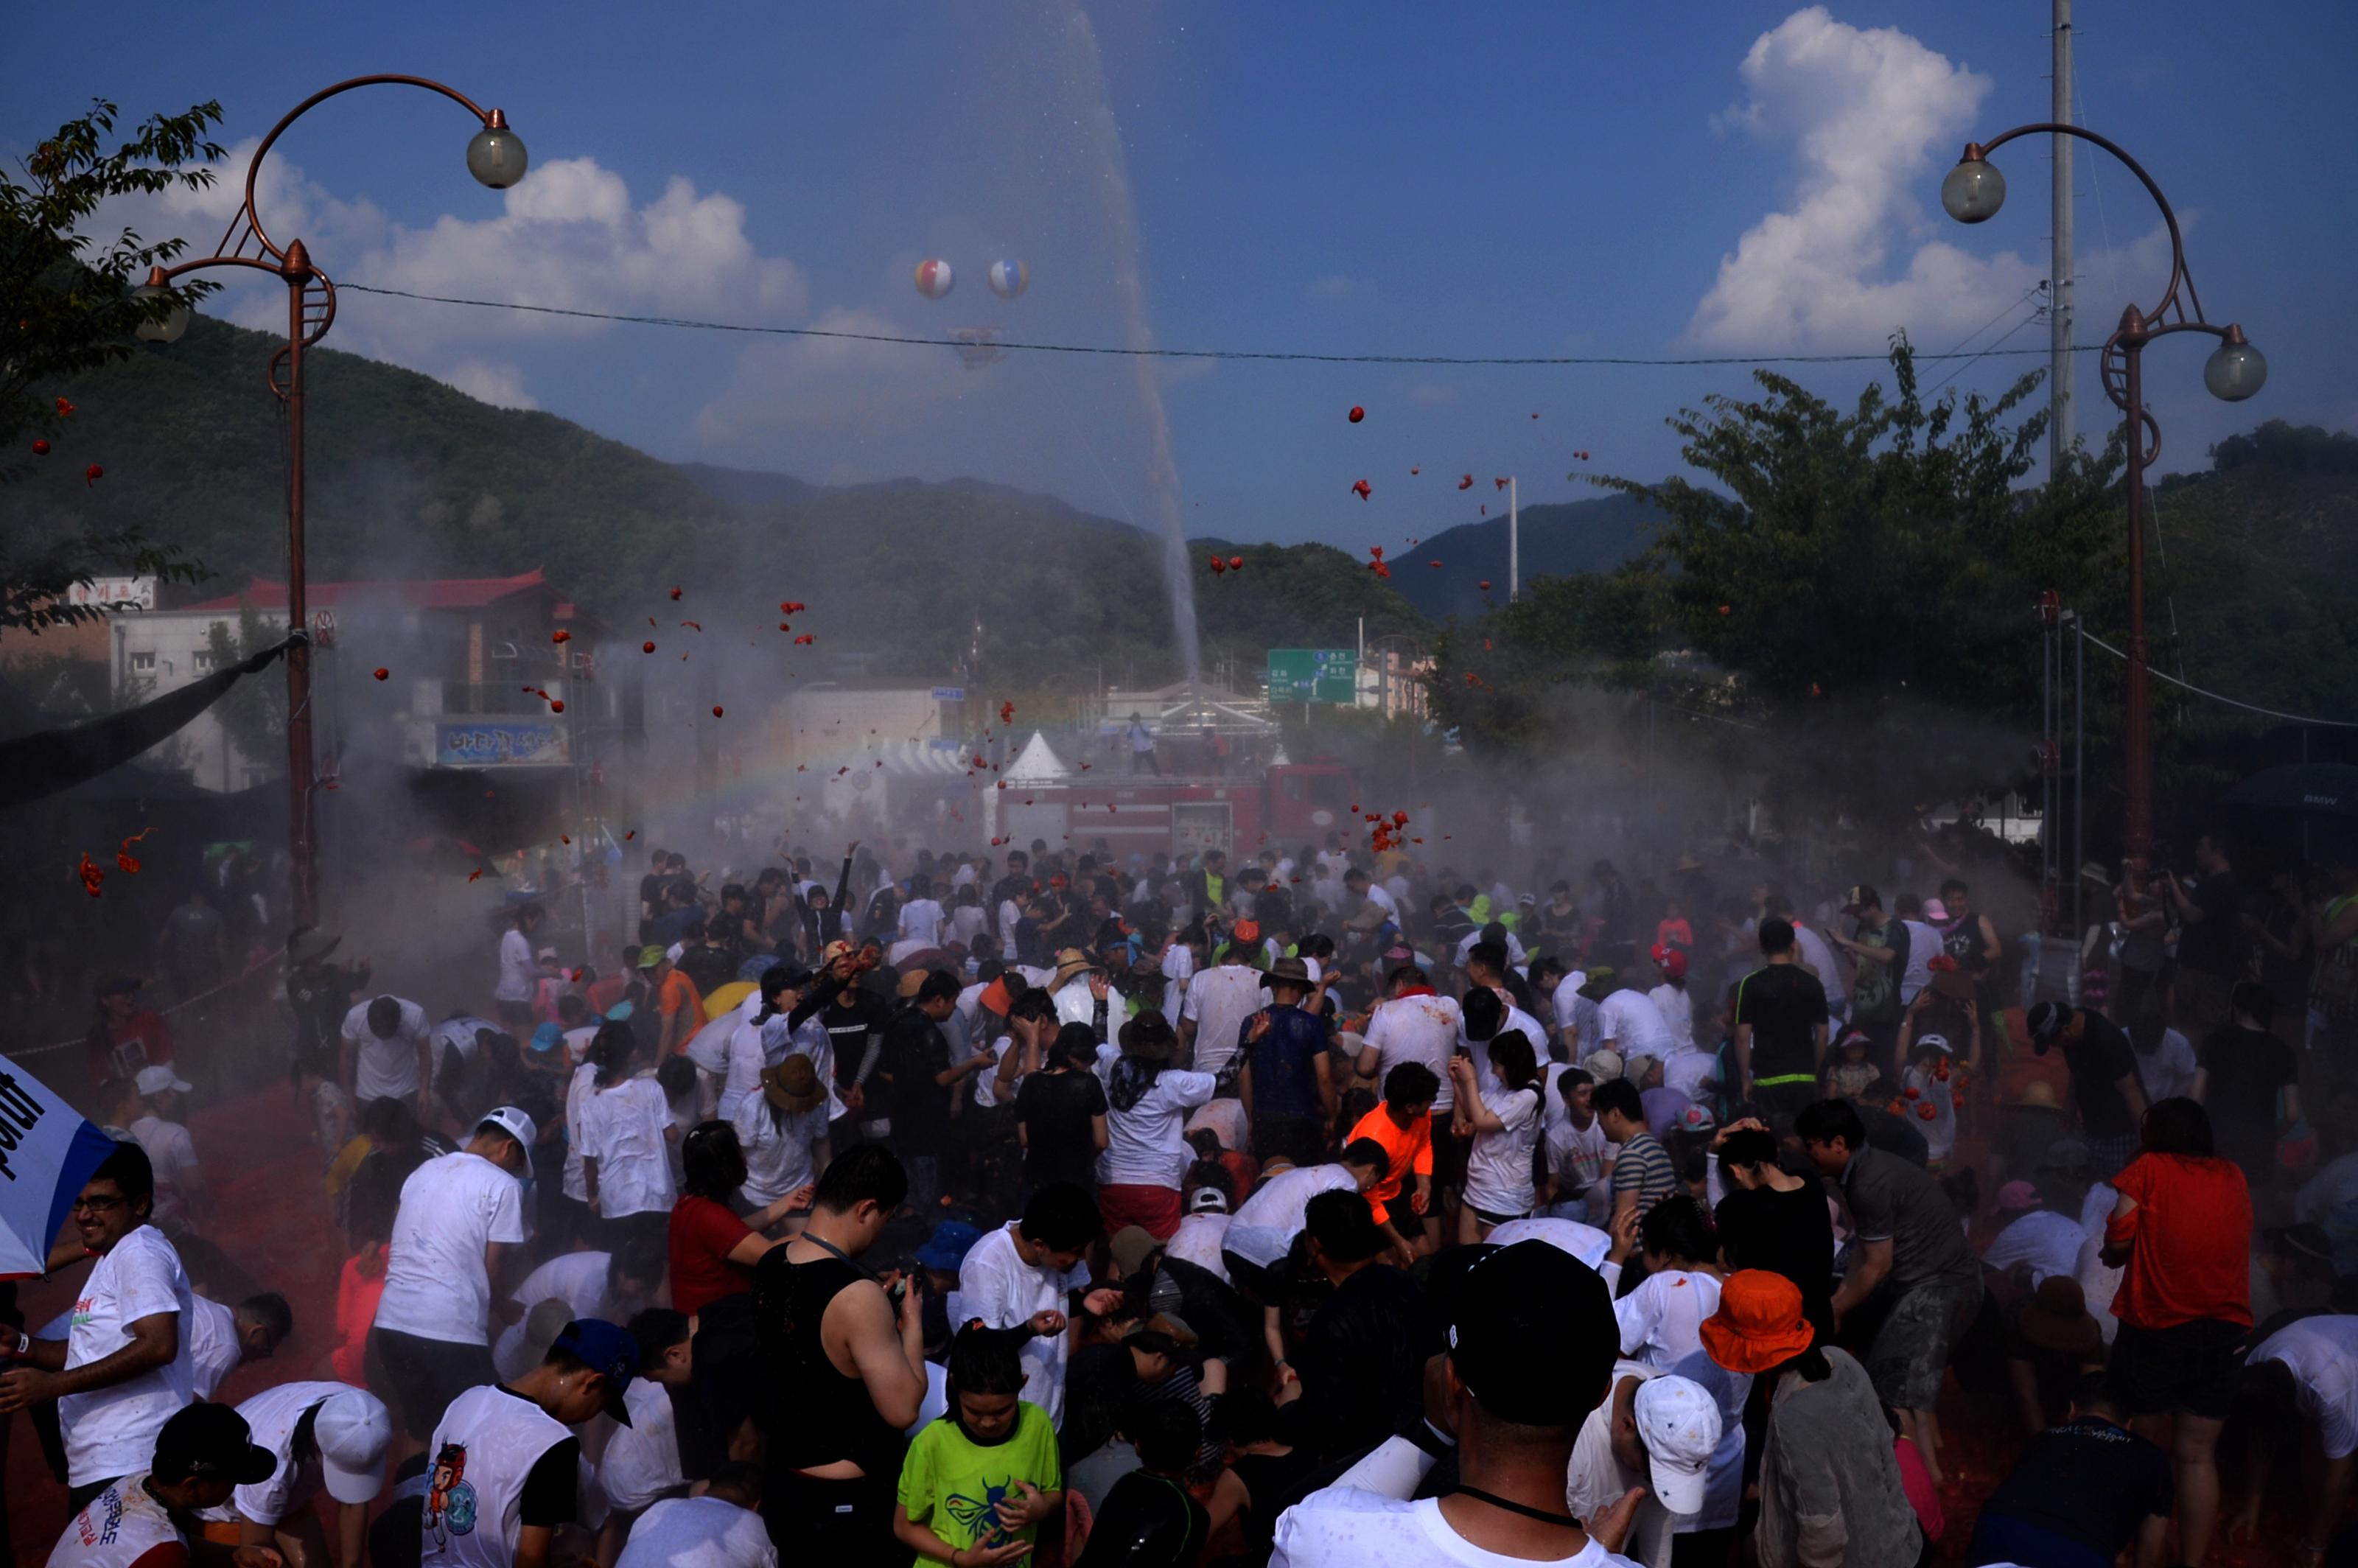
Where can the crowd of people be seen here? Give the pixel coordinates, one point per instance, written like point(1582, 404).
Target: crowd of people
point(1046, 1206)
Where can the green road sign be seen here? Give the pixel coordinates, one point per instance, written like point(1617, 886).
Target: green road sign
point(1314, 674)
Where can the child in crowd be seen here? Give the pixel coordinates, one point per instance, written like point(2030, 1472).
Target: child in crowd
point(985, 1474)
point(1151, 1519)
point(1927, 1090)
point(1850, 1074)
point(1673, 930)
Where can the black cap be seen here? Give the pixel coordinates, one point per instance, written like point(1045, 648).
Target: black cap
point(212, 1443)
point(2046, 1020)
point(1533, 1335)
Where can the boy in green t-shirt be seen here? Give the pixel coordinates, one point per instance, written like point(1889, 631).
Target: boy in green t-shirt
point(979, 1480)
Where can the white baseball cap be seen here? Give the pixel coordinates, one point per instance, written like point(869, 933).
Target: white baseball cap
point(1679, 1424)
point(353, 1431)
point(1585, 1242)
point(515, 1123)
point(157, 1079)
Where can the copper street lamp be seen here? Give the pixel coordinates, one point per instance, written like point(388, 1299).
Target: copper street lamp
point(1972, 192)
point(496, 158)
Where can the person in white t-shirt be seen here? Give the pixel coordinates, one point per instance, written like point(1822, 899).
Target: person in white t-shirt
point(626, 1133)
point(642, 1463)
point(126, 1363)
point(1261, 1232)
point(1027, 1273)
point(1147, 1102)
point(1358, 884)
point(1530, 1355)
point(715, 1529)
point(1502, 1121)
point(1579, 1155)
point(2306, 1373)
point(1211, 1015)
point(460, 1216)
point(1629, 1024)
point(1661, 1320)
point(389, 1054)
point(1417, 1024)
point(322, 1436)
point(199, 1459)
point(171, 1152)
point(519, 974)
point(1671, 999)
point(223, 1338)
point(783, 1131)
point(921, 916)
point(591, 1283)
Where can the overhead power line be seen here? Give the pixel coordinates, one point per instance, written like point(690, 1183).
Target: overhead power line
point(689, 324)
point(2215, 696)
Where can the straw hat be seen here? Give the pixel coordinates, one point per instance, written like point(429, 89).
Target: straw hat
point(1070, 962)
point(792, 1085)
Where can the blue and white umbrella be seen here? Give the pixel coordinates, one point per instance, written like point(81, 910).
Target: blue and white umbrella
point(47, 1151)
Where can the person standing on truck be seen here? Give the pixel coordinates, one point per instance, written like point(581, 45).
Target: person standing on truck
point(1141, 747)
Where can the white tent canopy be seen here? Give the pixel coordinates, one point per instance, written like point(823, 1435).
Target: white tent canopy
point(1037, 763)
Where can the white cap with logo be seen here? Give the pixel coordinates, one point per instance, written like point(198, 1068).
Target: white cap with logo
point(353, 1431)
point(157, 1079)
point(1679, 1426)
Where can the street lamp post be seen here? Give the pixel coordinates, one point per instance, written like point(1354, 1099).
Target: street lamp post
point(1972, 192)
point(494, 157)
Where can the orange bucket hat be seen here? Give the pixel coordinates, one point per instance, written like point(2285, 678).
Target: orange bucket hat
point(1758, 1324)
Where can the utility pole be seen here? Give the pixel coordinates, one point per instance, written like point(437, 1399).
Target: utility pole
point(1515, 539)
point(2059, 261)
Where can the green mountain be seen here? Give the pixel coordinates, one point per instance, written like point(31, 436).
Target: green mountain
point(408, 478)
point(1558, 540)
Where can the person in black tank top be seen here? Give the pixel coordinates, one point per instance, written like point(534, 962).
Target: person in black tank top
point(834, 1441)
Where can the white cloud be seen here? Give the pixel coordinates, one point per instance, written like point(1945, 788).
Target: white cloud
point(829, 385)
point(569, 235)
point(500, 386)
point(1874, 117)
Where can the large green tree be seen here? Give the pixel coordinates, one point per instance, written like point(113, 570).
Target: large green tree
point(1858, 586)
point(67, 306)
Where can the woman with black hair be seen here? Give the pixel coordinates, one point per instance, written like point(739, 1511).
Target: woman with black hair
point(712, 1249)
point(1503, 1118)
point(626, 1130)
point(1147, 1104)
point(2182, 1232)
point(1060, 1113)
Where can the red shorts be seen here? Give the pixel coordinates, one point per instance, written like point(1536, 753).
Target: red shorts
point(1154, 1210)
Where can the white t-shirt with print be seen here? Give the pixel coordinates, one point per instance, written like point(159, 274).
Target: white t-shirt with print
point(1263, 1228)
point(1219, 1000)
point(998, 1286)
point(451, 1208)
point(386, 1069)
point(1578, 1156)
point(1343, 1527)
point(2321, 1353)
point(698, 1532)
point(1424, 1029)
point(110, 1431)
point(1146, 1145)
point(1498, 1164)
point(121, 1525)
point(496, 1438)
point(623, 1129)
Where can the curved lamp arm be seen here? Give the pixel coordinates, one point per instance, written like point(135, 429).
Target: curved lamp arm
point(1978, 152)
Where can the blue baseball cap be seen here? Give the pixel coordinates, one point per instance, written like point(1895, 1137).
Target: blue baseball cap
point(547, 1036)
point(947, 1249)
point(607, 1349)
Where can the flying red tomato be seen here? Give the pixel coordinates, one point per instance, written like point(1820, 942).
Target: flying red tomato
point(93, 474)
point(1236, 563)
point(560, 636)
point(1358, 414)
point(646, 647)
point(674, 593)
point(1362, 490)
point(1465, 483)
point(1484, 585)
point(806, 637)
point(384, 673)
point(40, 448)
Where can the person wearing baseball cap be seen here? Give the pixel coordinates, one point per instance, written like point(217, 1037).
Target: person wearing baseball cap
point(2104, 1082)
point(319, 1435)
point(503, 1467)
point(1528, 1353)
point(1662, 1431)
point(1829, 1486)
point(203, 1454)
point(459, 1220)
point(179, 1178)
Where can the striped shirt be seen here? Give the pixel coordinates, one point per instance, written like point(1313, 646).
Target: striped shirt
point(1644, 1167)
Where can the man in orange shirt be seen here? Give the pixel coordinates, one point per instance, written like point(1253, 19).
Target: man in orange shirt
point(1403, 1125)
point(678, 1002)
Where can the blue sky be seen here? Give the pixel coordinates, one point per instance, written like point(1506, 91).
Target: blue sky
point(1507, 179)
